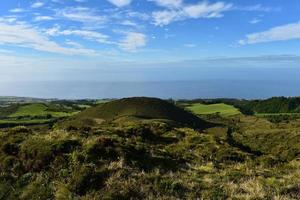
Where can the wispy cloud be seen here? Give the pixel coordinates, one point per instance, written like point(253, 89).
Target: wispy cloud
point(120, 3)
point(23, 35)
point(279, 33)
point(168, 3)
point(177, 10)
point(74, 44)
point(82, 23)
point(255, 21)
point(37, 4)
point(90, 35)
point(200, 10)
point(8, 19)
point(133, 41)
point(43, 18)
point(17, 10)
point(129, 23)
point(165, 17)
point(81, 14)
point(138, 15)
point(206, 10)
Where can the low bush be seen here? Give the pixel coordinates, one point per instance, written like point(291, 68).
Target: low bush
point(87, 178)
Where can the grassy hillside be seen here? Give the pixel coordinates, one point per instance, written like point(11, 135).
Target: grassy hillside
point(143, 108)
point(221, 108)
point(282, 140)
point(276, 105)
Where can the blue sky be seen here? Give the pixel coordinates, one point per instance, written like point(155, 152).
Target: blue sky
point(113, 40)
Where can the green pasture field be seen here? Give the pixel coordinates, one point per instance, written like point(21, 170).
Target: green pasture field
point(221, 108)
point(37, 110)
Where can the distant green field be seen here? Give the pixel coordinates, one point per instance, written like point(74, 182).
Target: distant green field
point(221, 108)
point(37, 110)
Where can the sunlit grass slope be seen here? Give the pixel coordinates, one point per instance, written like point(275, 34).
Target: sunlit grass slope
point(221, 108)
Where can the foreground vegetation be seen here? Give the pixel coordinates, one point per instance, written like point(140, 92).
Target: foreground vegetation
point(119, 151)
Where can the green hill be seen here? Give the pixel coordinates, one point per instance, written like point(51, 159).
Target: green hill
point(277, 105)
point(141, 108)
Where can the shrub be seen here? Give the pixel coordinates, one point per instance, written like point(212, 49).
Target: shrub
point(142, 131)
point(38, 189)
point(37, 154)
point(19, 129)
point(10, 148)
point(62, 192)
point(12, 164)
point(102, 148)
point(229, 156)
point(65, 146)
point(86, 178)
point(269, 160)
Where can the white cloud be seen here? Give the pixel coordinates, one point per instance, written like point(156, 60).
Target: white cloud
point(138, 15)
point(176, 10)
point(279, 33)
point(165, 17)
point(74, 44)
point(37, 4)
point(168, 3)
point(43, 18)
point(8, 19)
point(207, 10)
point(129, 23)
point(21, 34)
point(90, 35)
point(17, 10)
point(133, 41)
point(81, 14)
point(200, 10)
point(255, 21)
point(62, 1)
point(120, 3)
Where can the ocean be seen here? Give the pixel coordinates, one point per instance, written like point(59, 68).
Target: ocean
point(242, 89)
